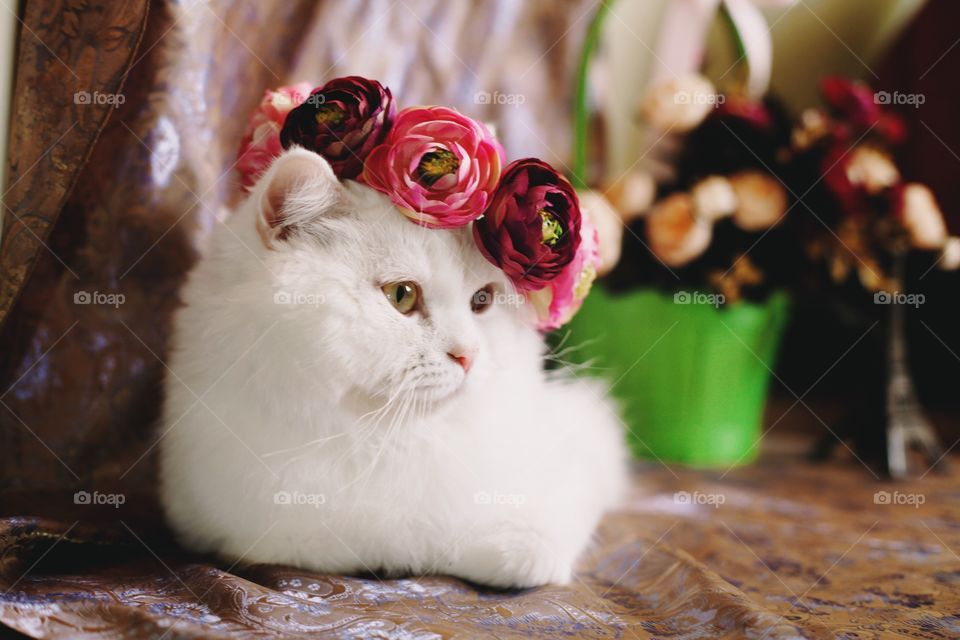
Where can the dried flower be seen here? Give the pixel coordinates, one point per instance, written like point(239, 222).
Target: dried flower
point(761, 200)
point(922, 217)
point(676, 235)
point(631, 194)
point(872, 169)
point(609, 226)
point(679, 104)
point(855, 104)
point(714, 198)
point(950, 256)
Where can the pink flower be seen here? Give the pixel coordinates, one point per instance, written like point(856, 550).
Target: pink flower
point(437, 165)
point(557, 303)
point(261, 139)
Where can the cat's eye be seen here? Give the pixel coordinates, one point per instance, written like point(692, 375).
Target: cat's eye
point(482, 299)
point(402, 295)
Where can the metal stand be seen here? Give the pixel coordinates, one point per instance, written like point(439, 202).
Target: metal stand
point(907, 426)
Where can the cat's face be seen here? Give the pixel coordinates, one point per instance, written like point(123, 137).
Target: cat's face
point(392, 310)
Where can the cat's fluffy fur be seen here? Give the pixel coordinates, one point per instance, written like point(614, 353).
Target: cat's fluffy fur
point(308, 422)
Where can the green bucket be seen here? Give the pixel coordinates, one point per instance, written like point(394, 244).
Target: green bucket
point(691, 378)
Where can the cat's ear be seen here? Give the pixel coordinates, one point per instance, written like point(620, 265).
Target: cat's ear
point(300, 190)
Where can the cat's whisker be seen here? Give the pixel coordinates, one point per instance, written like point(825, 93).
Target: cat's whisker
point(365, 431)
point(399, 418)
point(368, 430)
point(574, 369)
point(566, 335)
point(588, 364)
point(558, 351)
point(300, 447)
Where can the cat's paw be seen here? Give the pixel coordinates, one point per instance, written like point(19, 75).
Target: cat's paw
point(514, 558)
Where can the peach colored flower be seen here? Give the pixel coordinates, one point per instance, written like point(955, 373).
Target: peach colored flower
point(761, 200)
point(609, 226)
point(872, 169)
point(714, 198)
point(679, 104)
point(631, 194)
point(676, 235)
point(922, 217)
point(950, 256)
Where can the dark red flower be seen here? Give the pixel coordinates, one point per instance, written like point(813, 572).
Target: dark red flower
point(342, 121)
point(752, 112)
point(856, 103)
point(850, 198)
point(892, 128)
point(851, 100)
point(531, 230)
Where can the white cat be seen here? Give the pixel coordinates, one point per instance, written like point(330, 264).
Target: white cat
point(350, 392)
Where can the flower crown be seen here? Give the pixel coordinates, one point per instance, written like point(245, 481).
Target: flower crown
point(442, 170)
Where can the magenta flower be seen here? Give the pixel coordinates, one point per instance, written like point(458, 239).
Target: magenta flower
point(261, 139)
point(342, 121)
point(437, 165)
point(531, 229)
point(859, 109)
point(557, 302)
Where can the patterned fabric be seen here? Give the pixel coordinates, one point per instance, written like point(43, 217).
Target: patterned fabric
point(57, 118)
point(779, 550)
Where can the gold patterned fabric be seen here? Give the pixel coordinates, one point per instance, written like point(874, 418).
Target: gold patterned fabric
point(783, 549)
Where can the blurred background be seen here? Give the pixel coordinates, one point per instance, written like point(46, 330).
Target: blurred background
point(846, 107)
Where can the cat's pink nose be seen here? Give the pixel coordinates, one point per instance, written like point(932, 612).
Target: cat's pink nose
point(463, 358)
